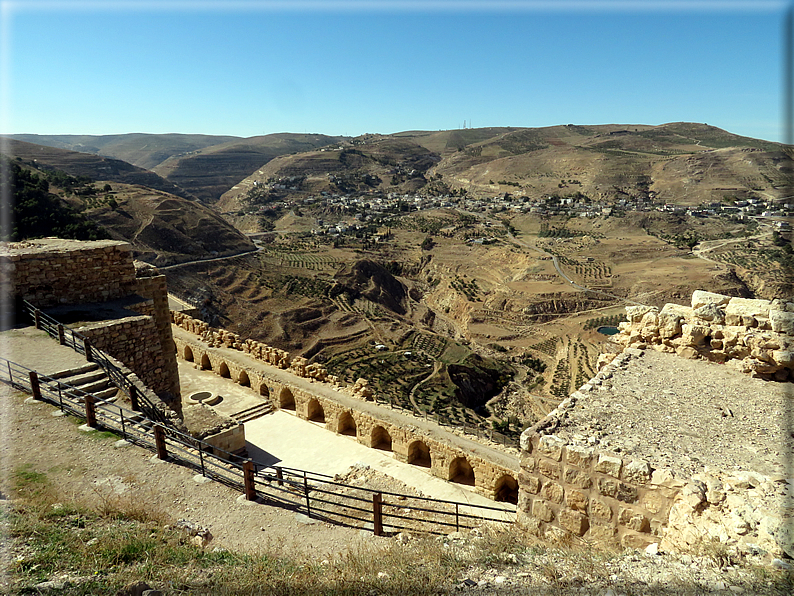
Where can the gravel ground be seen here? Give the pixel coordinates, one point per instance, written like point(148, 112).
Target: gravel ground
point(93, 468)
point(685, 415)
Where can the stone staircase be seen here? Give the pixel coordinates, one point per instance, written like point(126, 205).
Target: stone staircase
point(89, 378)
point(257, 411)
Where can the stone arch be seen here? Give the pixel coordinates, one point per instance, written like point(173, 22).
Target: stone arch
point(506, 490)
point(346, 425)
point(460, 471)
point(419, 454)
point(286, 401)
point(205, 362)
point(223, 370)
point(243, 379)
point(188, 354)
point(314, 411)
point(263, 390)
point(380, 439)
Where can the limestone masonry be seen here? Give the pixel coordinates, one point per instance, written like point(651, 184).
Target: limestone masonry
point(55, 273)
point(657, 448)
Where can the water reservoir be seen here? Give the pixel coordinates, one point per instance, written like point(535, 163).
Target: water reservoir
point(608, 330)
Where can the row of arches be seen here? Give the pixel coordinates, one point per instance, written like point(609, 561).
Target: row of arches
point(418, 452)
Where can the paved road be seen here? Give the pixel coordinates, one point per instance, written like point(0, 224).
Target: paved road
point(210, 260)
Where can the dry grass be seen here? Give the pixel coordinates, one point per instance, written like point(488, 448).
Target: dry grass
point(105, 541)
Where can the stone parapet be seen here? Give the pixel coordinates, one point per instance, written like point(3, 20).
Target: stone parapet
point(755, 336)
point(52, 271)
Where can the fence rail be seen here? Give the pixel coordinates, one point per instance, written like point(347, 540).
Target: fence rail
point(317, 495)
point(82, 345)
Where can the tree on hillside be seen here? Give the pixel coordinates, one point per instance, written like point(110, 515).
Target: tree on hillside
point(36, 213)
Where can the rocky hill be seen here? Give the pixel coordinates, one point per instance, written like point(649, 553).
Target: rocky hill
point(139, 149)
point(89, 165)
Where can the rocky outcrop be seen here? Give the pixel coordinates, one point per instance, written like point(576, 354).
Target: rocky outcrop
point(755, 336)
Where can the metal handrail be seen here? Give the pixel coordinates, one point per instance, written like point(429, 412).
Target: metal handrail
point(273, 480)
point(116, 375)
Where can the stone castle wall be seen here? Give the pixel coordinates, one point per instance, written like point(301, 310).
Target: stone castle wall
point(755, 336)
point(51, 271)
point(573, 490)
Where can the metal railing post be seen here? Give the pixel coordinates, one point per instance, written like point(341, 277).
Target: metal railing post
point(90, 411)
point(34, 385)
point(201, 458)
point(159, 441)
point(248, 480)
point(377, 514)
point(134, 398)
point(306, 491)
point(457, 520)
point(123, 426)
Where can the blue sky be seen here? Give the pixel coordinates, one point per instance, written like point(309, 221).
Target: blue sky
point(251, 68)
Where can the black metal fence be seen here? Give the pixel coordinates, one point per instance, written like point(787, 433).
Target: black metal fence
point(317, 495)
point(67, 336)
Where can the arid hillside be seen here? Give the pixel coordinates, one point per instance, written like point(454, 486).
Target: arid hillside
point(89, 165)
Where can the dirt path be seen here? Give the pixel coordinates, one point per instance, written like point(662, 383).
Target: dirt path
point(90, 467)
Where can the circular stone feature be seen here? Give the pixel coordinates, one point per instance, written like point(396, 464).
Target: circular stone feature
point(205, 397)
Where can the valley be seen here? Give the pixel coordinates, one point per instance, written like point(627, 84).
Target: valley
point(464, 273)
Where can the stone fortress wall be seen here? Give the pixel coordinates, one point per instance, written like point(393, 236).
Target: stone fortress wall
point(53, 272)
point(408, 443)
point(568, 490)
point(755, 336)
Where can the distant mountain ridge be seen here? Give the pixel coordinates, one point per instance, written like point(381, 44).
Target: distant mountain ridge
point(678, 162)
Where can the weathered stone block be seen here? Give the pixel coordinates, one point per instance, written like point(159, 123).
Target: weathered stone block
point(548, 469)
point(577, 478)
point(781, 321)
point(553, 492)
point(573, 521)
point(637, 472)
point(601, 531)
point(576, 499)
point(542, 511)
point(702, 298)
point(600, 510)
point(633, 520)
point(607, 487)
point(609, 465)
point(529, 483)
point(579, 456)
point(626, 493)
point(551, 447)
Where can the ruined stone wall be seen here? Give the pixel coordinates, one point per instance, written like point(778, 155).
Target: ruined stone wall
point(569, 490)
point(54, 271)
point(407, 443)
point(130, 341)
point(755, 336)
point(51, 271)
point(150, 284)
